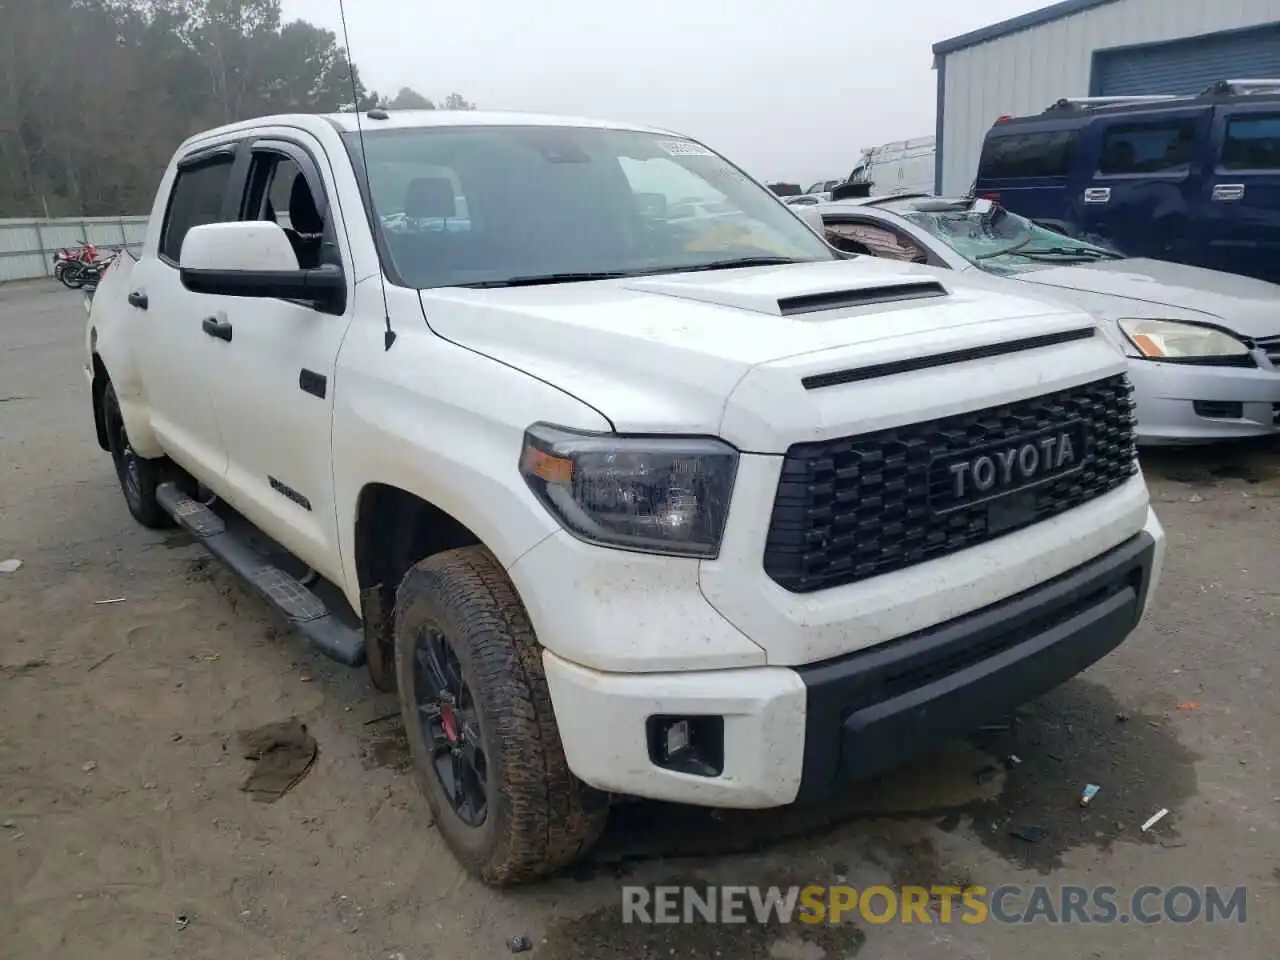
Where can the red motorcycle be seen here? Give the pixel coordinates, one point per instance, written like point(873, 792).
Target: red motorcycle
point(80, 265)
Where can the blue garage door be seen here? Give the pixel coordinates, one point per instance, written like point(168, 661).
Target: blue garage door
point(1187, 66)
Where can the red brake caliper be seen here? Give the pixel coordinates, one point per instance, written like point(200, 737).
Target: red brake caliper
point(447, 721)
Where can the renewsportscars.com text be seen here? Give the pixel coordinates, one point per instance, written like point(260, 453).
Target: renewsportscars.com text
point(1008, 904)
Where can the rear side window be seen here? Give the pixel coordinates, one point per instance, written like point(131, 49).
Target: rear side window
point(196, 199)
point(1015, 156)
point(1164, 147)
point(1252, 143)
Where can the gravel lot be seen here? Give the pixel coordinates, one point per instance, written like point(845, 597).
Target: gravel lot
point(125, 835)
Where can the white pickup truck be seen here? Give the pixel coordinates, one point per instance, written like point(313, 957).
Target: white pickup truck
point(620, 505)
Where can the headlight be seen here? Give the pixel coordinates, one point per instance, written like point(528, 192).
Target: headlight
point(667, 495)
point(1174, 340)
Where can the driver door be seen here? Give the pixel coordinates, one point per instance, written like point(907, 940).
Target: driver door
point(1240, 199)
point(275, 409)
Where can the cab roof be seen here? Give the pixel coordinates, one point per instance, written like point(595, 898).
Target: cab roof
point(410, 119)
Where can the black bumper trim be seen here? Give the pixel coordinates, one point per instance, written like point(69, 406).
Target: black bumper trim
point(873, 710)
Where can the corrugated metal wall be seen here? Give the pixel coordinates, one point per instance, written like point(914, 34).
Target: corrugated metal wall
point(27, 246)
point(1026, 71)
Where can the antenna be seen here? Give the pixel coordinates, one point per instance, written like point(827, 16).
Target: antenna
point(389, 337)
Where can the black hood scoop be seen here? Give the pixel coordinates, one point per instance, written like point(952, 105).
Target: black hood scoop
point(860, 297)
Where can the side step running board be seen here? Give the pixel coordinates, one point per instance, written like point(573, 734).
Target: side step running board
point(306, 612)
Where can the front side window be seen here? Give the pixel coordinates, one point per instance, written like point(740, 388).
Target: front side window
point(196, 199)
point(874, 239)
point(1147, 148)
point(280, 193)
point(1013, 156)
point(486, 206)
point(992, 238)
point(1252, 143)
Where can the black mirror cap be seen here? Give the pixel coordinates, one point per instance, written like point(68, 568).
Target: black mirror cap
point(325, 286)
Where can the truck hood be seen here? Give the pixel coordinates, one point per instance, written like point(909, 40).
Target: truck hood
point(665, 353)
point(1247, 306)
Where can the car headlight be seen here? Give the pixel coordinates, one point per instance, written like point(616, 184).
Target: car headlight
point(667, 495)
point(1175, 340)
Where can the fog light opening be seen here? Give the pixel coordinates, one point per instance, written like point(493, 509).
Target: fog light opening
point(1218, 409)
point(693, 745)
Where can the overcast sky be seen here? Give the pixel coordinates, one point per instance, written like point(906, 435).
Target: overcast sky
point(788, 90)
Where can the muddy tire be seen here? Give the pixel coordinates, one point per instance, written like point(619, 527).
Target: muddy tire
point(486, 750)
point(138, 477)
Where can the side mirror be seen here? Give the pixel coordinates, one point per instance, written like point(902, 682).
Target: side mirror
point(256, 259)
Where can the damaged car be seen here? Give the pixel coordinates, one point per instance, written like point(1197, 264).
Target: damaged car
point(1203, 346)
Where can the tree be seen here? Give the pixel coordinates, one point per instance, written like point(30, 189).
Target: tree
point(454, 101)
point(96, 94)
point(410, 99)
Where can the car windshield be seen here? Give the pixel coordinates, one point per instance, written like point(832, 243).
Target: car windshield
point(512, 205)
point(990, 237)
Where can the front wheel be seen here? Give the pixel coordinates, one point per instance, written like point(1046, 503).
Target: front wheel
point(71, 276)
point(138, 477)
point(477, 712)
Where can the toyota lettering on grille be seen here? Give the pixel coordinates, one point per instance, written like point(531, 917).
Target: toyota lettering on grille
point(985, 473)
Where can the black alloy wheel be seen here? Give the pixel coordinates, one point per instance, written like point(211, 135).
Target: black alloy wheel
point(451, 726)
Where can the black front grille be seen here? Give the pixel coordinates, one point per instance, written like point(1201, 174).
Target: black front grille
point(858, 507)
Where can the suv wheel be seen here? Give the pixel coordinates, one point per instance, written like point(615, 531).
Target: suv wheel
point(138, 477)
point(477, 712)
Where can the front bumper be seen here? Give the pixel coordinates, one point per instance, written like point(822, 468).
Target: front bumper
point(1167, 393)
point(869, 711)
point(796, 733)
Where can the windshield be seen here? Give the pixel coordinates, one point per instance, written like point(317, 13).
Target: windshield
point(490, 206)
point(991, 237)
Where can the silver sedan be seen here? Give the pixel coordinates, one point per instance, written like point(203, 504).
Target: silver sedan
point(1204, 346)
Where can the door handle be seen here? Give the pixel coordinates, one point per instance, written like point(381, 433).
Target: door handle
point(1097, 195)
point(1228, 192)
point(217, 328)
point(138, 299)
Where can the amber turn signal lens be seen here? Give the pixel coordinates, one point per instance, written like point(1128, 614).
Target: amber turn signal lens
point(547, 467)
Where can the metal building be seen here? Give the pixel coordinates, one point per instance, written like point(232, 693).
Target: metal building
point(1082, 48)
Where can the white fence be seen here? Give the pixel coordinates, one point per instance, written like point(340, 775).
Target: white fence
point(27, 246)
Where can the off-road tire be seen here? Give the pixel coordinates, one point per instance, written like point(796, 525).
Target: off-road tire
point(140, 492)
point(540, 816)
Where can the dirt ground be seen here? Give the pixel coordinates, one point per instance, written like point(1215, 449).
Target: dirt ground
point(124, 834)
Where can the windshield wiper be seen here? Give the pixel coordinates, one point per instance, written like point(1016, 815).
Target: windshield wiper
point(1004, 250)
point(730, 264)
point(546, 278)
point(535, 280)
point(1082, 253)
